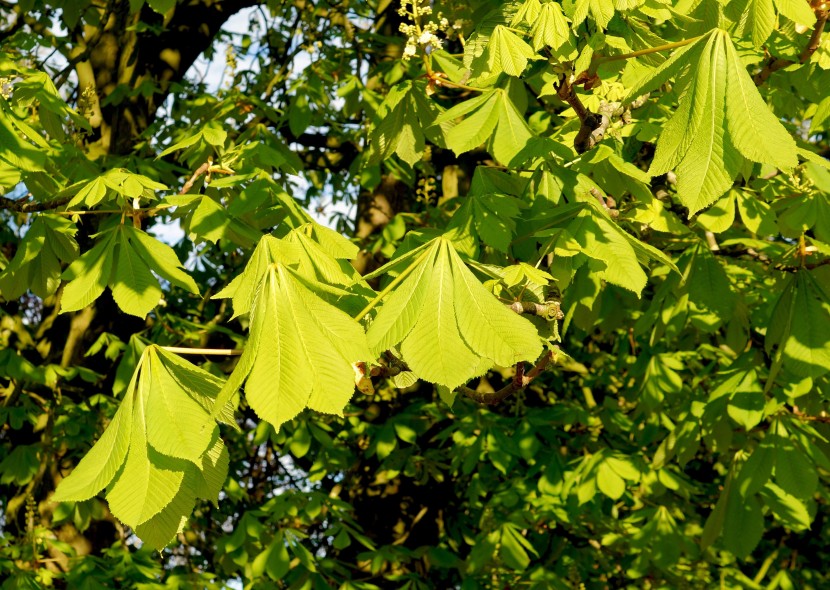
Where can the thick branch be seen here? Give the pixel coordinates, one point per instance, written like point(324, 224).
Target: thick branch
point(24, 206)
point(592, 126)
point(774, 65)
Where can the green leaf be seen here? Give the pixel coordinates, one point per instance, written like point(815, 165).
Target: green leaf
point(758, 217)
point(402, 308)
point(20, 154)
point(721, 216)
point(799, 327)
point(653, 79)
point(160, 258)
point(147, 482)
point(743, 525)
point(602, 11)
point(710, 133)
point(303, 350)
point(161, 6)
point(20, 465)
point(99, 465)
point(788, 509)
point(797, 11)
point(821, 116)
point(134, 288)
point(475, 129)
point(602, 240)
point(465, 330)
point(406, 114)
point(90, 195)
point(507, 52)
point(37, 263)
point(243, 288)
point(209, 220)
point(754, 130)
point(88, 275)
point(794, 472)
point(551, 28)
point(514, 548)
point(757, 19)
point(609, 482)
point(710, 163)
point(512, 133)
point(490, 216)
point(709, 287)
point(757, 470)
point(174, 419)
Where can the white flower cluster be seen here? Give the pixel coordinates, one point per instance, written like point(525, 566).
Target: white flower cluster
point(417, 34)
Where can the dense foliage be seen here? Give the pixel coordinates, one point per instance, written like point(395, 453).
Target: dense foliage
point(423, 295)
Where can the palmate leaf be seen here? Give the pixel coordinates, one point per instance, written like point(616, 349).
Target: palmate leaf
point(489, 217)
point(243, 287)
point(37, 263)
point(709, 287)
point(124, 259)
point(551, 28)
point(602, 11)
point(324, 265)
point(99, 465)
point(301, 350)
point(582, 227)
point(491, 114)
point(122, 182)
point(406, 115)
point(720, 120)
point(507, 52)
point(449, 327)
point(757, 19)
point(160, 452)
point(800, 324)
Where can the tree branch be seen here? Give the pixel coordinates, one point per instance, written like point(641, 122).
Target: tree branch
point(520, 381)
point(24, 206)
point(593, 125)
point(773, 65)
point(550, 310)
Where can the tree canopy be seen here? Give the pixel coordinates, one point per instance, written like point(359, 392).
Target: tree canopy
point(414, 294)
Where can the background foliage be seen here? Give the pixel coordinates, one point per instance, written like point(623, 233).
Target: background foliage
point(577, 274)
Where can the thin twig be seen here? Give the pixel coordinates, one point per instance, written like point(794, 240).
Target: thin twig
point(84, 55)
point(213, 351)
point(196, 174)
point(520, 381)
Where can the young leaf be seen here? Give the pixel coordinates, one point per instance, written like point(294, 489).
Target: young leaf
point(160, 258)
point(507, 52)
point(88, 275)
point(134, 288)
point(36, 264)
point(450, 327)
point(102, 461)
point(149, 481)
point(303, 350)
point(800, 326)
point(755, 131)
point(551, 28)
